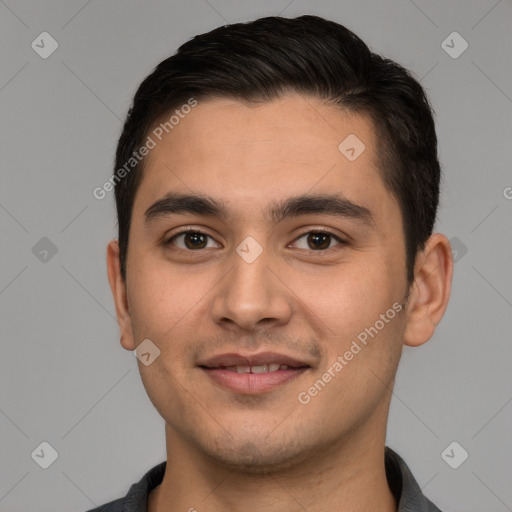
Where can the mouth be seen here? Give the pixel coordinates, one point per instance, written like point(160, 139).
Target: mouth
point(254, 374)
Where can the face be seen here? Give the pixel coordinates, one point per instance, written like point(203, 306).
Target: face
point(311, 295)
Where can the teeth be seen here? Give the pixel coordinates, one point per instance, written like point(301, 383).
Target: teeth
point(259, 369)
point(264, 368)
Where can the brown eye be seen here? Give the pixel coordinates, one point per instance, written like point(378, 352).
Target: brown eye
point(319, 240)
point(195, 240)
point(191, 240)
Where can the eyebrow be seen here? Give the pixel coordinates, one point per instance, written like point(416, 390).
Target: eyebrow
point(327, 204)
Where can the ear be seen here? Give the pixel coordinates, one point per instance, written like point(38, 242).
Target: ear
point(118, 287)
point(430, 291)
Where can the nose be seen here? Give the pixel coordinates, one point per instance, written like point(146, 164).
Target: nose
point(251, 296)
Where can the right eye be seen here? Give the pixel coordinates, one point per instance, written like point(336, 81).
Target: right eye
point(192, 240)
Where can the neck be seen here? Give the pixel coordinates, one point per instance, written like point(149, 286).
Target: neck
point(347, 476)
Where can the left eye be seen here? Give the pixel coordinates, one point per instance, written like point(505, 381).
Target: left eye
point(319, 240)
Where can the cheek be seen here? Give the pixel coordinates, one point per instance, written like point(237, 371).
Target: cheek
point(168, 303)
point(347, 299)
point(159, 308)
point(156, 300)
point(361, 320)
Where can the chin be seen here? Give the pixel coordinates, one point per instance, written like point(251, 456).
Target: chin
point(253, 458)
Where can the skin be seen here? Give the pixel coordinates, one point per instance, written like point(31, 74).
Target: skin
point(226, 451)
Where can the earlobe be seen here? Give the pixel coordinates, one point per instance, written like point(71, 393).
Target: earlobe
point(430, 291)
point(118, 288)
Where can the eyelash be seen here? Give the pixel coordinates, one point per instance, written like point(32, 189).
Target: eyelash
point(340, 241)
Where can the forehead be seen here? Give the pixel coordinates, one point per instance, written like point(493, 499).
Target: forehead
point(292, 128)
point(251, 155)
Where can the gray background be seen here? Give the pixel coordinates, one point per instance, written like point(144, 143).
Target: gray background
point(64, 377)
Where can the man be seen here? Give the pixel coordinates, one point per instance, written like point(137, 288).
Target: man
point(277, 187)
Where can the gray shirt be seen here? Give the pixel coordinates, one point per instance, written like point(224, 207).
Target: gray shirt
point(404, 487)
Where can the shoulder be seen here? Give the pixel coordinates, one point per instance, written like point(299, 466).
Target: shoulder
point(118, 505)
point(137, 497)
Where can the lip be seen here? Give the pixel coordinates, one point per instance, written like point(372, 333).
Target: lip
point(233, 359)
point(252, 383)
